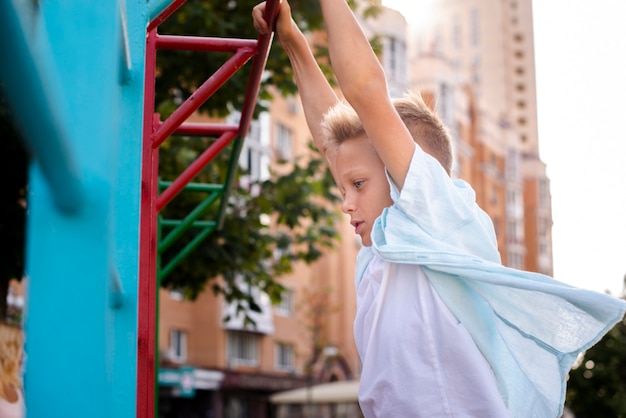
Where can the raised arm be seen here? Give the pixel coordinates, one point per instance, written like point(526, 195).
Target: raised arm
point(363, 83)
point(316, 94)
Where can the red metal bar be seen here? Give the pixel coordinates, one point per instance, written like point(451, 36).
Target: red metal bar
point(198, 43)
point(146, 298)
point(198, 97)
point(195, 167)
point(206, 129)
point(258, 65)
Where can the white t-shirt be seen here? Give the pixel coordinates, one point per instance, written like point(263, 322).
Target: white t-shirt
point(12, 409)
point(418, 360)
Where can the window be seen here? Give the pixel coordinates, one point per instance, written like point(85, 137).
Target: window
point(513, 164)
point(393, 65)
point(476, 78)
point(283, 142)
point(475, 27)
point(445, 104)
point(494, 195)
point(285, 307)
point(394, 61)
point(515, 260)
point(284, 357)
point(476, 69)
point(177, 295)
point(178, 346)
point(514, 204)
point(511, 199)
point(437, 41)
point(513, 232)
point(255, 155)
point(235, 320)
point(242, 348)
point(544, 193)
point(542, 226)
point(456, 32)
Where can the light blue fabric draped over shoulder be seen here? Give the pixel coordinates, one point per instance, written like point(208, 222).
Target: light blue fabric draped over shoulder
point(530, 327)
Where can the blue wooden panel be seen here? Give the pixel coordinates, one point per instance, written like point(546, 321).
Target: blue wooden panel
point(76, 77)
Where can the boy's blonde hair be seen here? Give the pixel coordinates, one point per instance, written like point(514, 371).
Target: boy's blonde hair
point(428, 131)
point(11, 347)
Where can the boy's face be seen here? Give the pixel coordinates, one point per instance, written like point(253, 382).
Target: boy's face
point(363, 184)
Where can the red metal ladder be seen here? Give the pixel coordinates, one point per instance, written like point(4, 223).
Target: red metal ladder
point(155, 133)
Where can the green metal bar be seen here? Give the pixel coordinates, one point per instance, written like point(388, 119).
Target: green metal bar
point(187, 222)
point(185, 252)
point(193, 187)
point(196, 224)
point(230, 179)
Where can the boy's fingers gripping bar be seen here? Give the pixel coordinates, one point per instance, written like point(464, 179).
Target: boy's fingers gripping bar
point(271, 12)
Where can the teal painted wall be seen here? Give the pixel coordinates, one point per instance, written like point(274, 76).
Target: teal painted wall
point(80, 102)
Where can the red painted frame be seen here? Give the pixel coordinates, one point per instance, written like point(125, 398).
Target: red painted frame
point(155, 133)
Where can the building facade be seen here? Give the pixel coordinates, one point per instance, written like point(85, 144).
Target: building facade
point(488, 47)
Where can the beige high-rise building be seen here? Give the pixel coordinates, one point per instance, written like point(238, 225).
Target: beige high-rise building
point(485, 75)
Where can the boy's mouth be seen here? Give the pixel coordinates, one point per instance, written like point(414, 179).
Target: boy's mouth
point(358, 226)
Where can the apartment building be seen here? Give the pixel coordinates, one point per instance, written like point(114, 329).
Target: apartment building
point(474, 65)
point(487, 47)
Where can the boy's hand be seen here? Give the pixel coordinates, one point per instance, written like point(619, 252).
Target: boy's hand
point(283, 21)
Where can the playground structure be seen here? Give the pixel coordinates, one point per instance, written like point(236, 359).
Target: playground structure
point(79, 77)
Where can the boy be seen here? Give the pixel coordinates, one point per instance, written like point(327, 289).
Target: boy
point(442, 328)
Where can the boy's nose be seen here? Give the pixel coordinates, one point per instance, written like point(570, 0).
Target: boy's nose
point(347, 205)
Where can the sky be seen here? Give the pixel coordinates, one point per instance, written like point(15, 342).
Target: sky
point(580, 62)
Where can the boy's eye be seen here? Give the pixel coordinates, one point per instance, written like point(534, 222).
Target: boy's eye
point(358, 183)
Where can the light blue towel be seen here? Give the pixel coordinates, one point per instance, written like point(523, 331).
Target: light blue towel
point(529, 327)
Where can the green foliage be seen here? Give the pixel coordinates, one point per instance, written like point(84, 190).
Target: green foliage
point(597, 386)
point(268, 226)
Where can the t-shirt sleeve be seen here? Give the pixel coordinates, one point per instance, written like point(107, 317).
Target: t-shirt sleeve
point(443, 209)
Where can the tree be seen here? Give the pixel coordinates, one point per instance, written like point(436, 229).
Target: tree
point(597, 385)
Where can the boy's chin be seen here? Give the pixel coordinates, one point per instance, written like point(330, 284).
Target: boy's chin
point(362, 242)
